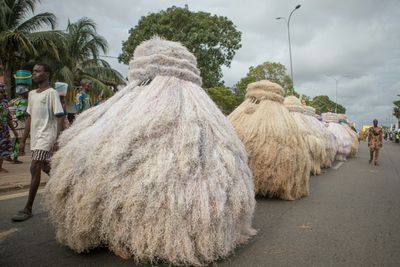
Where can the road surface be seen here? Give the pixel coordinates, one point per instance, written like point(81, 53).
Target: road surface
point(351, 218)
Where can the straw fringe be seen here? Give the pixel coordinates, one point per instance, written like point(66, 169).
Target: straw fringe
point(328, 139)
point(277, 155)
point(310, 111)
point(314, 144)
point(160, 175)
point(354, 138)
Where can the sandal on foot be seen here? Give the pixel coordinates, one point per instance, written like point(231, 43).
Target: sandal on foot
point(21, 216)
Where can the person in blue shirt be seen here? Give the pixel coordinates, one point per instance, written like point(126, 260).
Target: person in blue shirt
point(82, 99)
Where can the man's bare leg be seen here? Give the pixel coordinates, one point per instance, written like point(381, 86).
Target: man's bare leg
point(36, 168)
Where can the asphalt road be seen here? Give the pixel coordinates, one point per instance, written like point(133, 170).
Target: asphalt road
point(351, 218)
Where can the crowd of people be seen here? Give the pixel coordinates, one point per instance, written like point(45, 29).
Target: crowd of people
point(392, 135)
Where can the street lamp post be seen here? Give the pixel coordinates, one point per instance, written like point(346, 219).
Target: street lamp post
point(290, 47)
point(336, 82)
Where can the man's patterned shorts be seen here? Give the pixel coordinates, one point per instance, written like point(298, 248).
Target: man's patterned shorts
point(41, 155)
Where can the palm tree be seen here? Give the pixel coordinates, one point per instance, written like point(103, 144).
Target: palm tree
point(80, 59)
point(20, 39)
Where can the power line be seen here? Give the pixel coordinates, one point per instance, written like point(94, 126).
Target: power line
point(108, 56)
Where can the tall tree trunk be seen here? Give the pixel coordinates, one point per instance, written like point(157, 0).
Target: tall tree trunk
point(8, 81)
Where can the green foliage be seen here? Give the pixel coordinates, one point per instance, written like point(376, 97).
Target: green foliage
point(225, 99)
point(396, 109)
point(80, 60)
point(275, 72)
point(323, 104)
point(19, 39)
point(212, 39)
point(305, 99)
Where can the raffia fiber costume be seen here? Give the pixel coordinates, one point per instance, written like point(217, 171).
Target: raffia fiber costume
point(322, 132)
point(313, 141)
point(353, 134)
point(157, 172)
point(343, 139)
point(278, 155)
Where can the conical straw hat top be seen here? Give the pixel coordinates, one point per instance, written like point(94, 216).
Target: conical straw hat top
point(330, 117)
point(310, 111)
point(265, 89)
point(342, 117)
point(293, 104)
point(161, 57)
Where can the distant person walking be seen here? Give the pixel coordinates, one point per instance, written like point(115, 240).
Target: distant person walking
point(375, 136)
point(82, 101)
point(44, 123)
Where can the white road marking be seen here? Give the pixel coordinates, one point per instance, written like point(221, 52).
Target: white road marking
point(20, 194)
point(337, 165)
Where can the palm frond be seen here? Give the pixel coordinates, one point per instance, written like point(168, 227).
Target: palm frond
point(106, 75)
point(64, 75)
point(83, 40)
point(49, 41)
point(95, 63)
point(15, 42)
point(95, 44)
point(5, 10)
point(84, 23)
point(19, 10)
point(38, 21)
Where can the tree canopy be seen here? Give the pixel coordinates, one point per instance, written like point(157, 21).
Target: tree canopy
point(323, 104)
point(396, 109)
point(20, 40)
point(80, 59)
point(213, 39)
point(275, 72)
point(224, 98)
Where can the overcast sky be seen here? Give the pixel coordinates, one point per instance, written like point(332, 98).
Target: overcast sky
point(356, 41)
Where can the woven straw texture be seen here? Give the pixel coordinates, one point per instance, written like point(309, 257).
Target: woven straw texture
point(157, 173)
point(278, 156)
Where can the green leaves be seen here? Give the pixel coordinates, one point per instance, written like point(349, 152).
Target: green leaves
point(79, 59)
point(396, 109)
point(37, 22)
point(275, 72)
point(225, 99)
point(214, 40)
point(20, 40)
point(83, 42)
point(323, 104)
point(74, 54)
